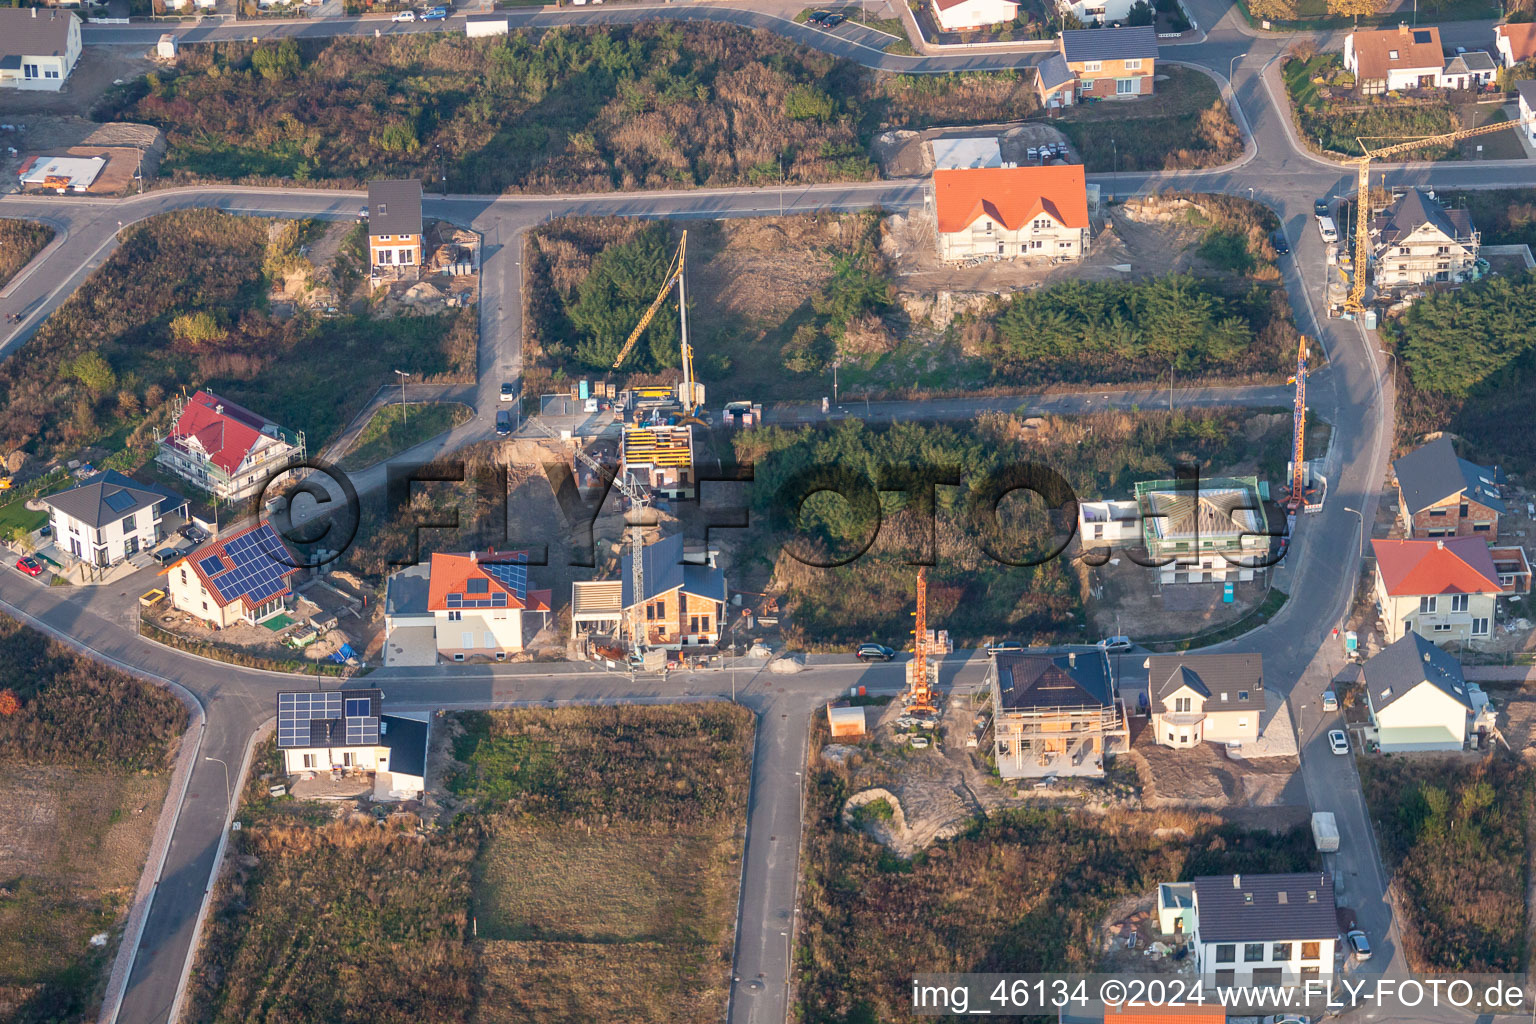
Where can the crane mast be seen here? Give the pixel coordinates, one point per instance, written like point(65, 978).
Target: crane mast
point(919, 695)
point(1298, 436)
point(674, 276)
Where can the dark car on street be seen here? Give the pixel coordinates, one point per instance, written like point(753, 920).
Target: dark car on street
point(1278, 241)
point(817, 17)
point(874, 652)
point(1320, 207)
point(833, 20)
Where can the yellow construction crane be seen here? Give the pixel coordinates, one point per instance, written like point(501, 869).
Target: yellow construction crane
point(1355, 303)
point(690, 393)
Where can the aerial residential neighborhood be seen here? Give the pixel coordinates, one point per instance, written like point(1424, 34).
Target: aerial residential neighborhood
point(767, 513)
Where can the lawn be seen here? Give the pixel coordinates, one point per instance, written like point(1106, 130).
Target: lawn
point(1184, 125)
point(80, 792)
point(1297, 15)
point(1019, 892)
point(391, 430)
point(20, 240)
point(181, 305)
point(581, 109)
point(1466, 912)
point(588, 873)
point(1331, 118)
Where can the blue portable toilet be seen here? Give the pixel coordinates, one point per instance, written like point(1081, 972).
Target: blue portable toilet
point(583, 389)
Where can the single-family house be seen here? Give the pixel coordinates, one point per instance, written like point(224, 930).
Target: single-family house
point(394, 230)
point(1525, 92)
point(1108, 524)
point(1471, 70)
point(240, 577)
point(1418, 242)
point(1205, 698)
point(1209, 533)
point(109, 518)
point(681, 604)
point(225, 449)
point(1055, 83)
point(969, 15)
point(1264, 929)
point(1111, 63)
point(1442, 495)
point(1056, 712)
point(1417, 697)
point(1012, 213)
point(477, 603)
point(1096, 12)
point(1515, 42)
point(1394, 58)
point(347, 731)
point(38, 47)
point(1176, 908)
point(659, 458)
point(1444, 588)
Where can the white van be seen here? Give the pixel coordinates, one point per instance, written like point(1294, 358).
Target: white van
point(1326, 227)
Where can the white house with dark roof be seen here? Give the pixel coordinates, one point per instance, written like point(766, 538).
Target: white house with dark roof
point(1264, 929)
point(968, 15)
point(1417, 697)
point(1419, 241)
point(1471, 70)
point(240, 577)
point(38, 47)
point(346, 731)
point(1096, 12)
point(1205, 698)
point(108, 518)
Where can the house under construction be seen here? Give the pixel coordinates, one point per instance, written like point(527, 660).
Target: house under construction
point(1055, 713)
point(660, 459)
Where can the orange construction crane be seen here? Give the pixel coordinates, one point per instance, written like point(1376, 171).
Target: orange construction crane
point(919, 696)
point(1298, 496)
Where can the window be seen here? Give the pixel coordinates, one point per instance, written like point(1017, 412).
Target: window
point(1093, 65)
point(1442, 627)
point(1459, 602)
point(1311, 950)
point(1042, 223)
point(1170, 736)
point(1182, 703)
point(1437, 512)
point(1309, 972)
point(1226, 954)
point(1126, 87)
point(1253, 952)
point(1392, 54)
point(408, 256)
point(310, 761)
point(29, 71)
point(477, 586)
point(1481, 527)
point(455, 616)
point(988, 228)
point(1242, 694)
point(1464, 509)
point(129, 524)
point(1133, 64)
point(183, 575)
point(650, 612)
point(347, 758)
point(1403, 250)
point(1426, 605)
point(1480, 627)
point(386, 256)
point(50, 72)
point(1183, 737)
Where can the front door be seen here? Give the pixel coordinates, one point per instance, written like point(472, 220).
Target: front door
point(130, 547)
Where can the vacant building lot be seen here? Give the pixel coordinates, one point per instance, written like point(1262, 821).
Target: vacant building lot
point(80, 792)
point(571, 865)
point(20, 240)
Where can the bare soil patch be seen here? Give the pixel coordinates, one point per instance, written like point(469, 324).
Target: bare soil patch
point(1204, 776)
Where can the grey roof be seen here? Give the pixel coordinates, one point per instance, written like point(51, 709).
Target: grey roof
point(1109, 43)
point(405, 593)
point(394, 207)
point(1412, 210)
point(406, 739)
point(1072, 678)
point(1266, 908)
point(1211, 676)
point(319, 718)
point(1433, 473)
point(34, 32)
point(103, 499)
point(665, 571)
point(1527, 90)
point(1054, 72)
point(1176, 895)
point(1470, 62)
point(1398, 668)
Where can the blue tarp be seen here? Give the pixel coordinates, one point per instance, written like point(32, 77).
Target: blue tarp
point(343, 654)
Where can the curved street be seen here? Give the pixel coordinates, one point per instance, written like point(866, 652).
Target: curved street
point(1352, 393)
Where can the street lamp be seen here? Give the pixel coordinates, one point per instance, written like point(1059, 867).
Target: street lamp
point(1116, 150)
point(229, 795)
point(403, 376)
point(1231, 69)
point(1360, 517)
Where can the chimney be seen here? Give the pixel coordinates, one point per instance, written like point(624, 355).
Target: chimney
point(1402, 28)
point(1440, 545)
point(1072, 659)
point(34, 12)
point(219, 409)
point(473, 558)
point(1237, 881)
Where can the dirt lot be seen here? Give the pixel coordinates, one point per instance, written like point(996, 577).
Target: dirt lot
point(72, 845)
point(1128, 599)
point(1205, 777)
point(99, 68)
point(124, 145)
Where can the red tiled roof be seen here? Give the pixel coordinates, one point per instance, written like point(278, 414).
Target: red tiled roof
point(226, 436)
point(1415, 48)
point(1452, 565)
point(1012, 196)
point(219, 547)
point(450, 574)
point(1522, 39)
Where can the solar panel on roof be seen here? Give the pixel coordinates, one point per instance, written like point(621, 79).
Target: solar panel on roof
point(454, 600)
point(513, 576)
point(478, 586)
point(120, 501)
point(358, 707)
point(211, 565)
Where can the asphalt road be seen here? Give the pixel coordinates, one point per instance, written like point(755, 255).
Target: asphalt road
point(1297, 645)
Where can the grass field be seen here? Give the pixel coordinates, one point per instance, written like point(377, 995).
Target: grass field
point(587, 874)
point(20, 240)
point(392, 431)
point(1296, 15)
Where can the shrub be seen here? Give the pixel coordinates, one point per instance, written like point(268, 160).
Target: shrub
point(197, 328)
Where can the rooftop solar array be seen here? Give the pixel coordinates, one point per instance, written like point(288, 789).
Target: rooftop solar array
point(212, 565)
point(512, 575)
point(120, 501)
point(259, 567)
point(299, 713)
point(488, 601)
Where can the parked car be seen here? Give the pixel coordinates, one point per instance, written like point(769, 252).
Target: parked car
point(1330, 701)
point(919, 742)
point(1004, 646)
point(435, 14)
point(1337, 741)
point(833, 20)
point(508, 392)
point(874, 652)
point(1359, 944)
point(362, 215)
point(503, 422)
point(29, 565)
point(193, 533)
point(404, 16)
point(1278, 241)
point(817, 17)
point(1115, 644)
point(167, 555)
point(1320, 207)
